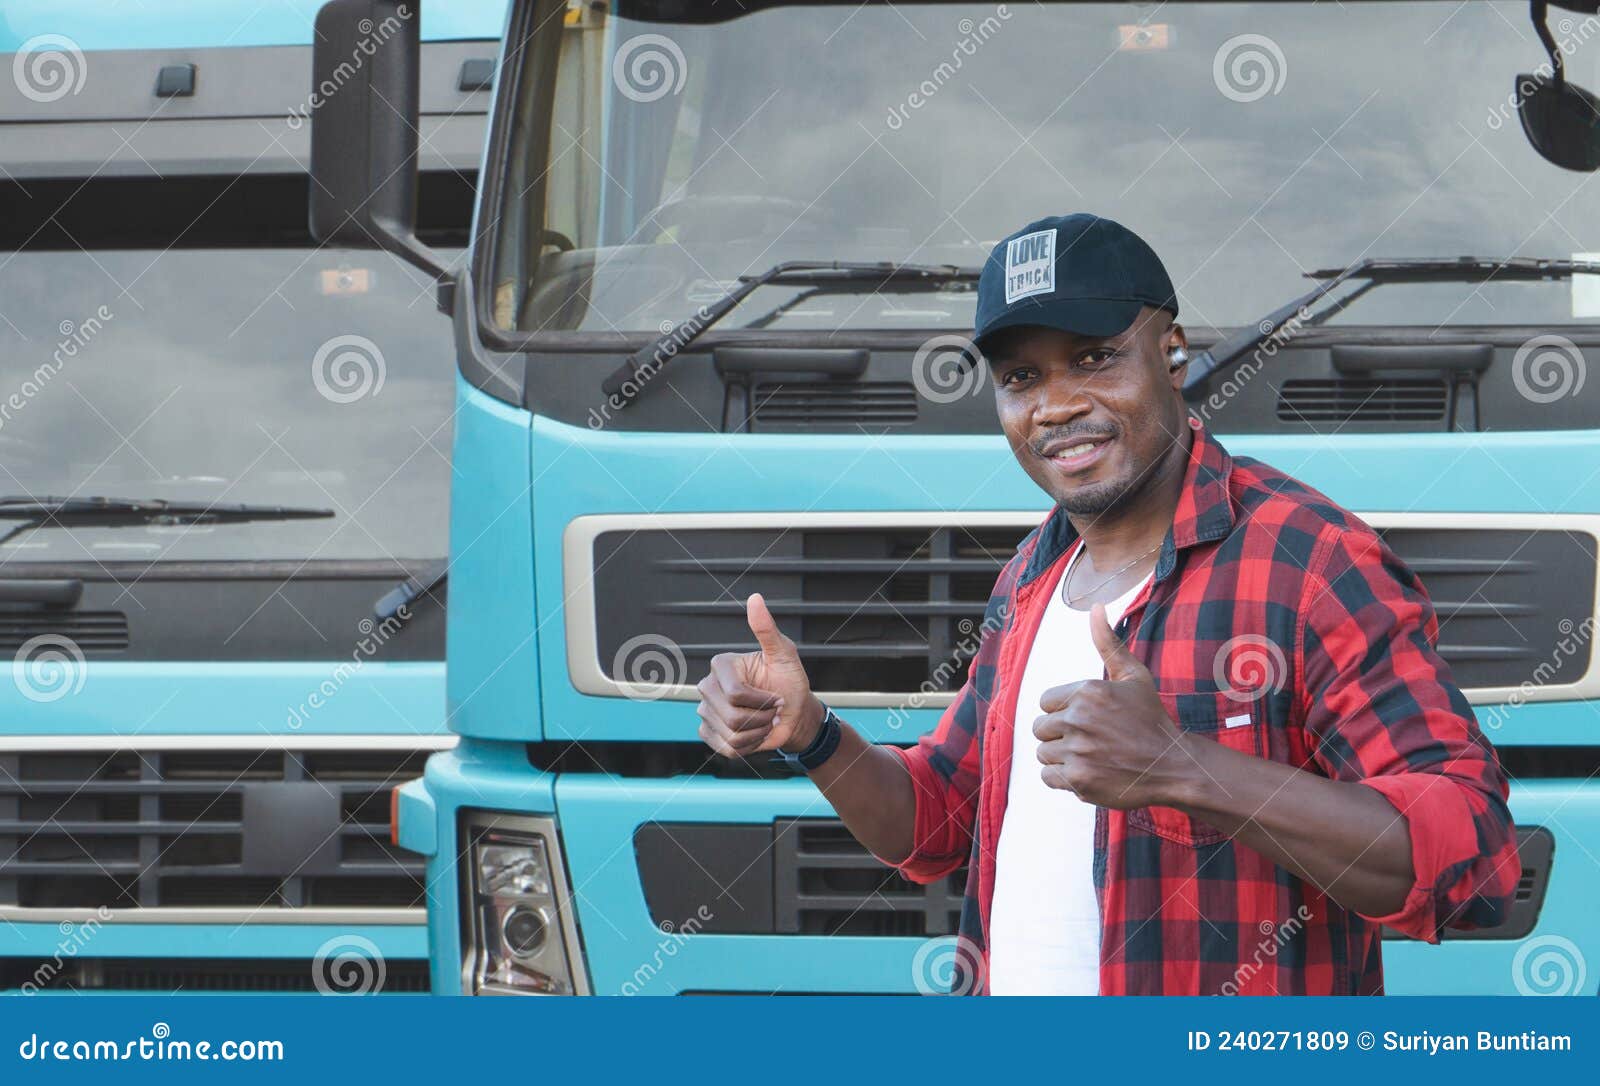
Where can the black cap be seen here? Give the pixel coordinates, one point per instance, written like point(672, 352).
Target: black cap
point(1079, 273)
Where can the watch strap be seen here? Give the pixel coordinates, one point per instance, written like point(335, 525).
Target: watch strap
point(822, 745)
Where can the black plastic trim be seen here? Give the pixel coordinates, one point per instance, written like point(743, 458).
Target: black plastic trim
point(231, 611)
point(169, 975)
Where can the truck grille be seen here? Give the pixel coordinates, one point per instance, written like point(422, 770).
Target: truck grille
point(247, 829)
point(811, 877)
point(884, 611)
point(1506, 600)
point(92, 632)
point(1348, 399)
point(806, 405)
point(789, 877)
point(873, 609)
point(198, 975)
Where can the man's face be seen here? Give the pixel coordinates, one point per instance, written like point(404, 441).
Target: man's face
point(1090, 419)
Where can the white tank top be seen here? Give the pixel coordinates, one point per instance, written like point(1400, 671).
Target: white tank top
point(1044, 936)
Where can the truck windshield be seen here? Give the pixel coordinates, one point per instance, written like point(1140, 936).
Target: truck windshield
point(660, 160)
point(202, 369)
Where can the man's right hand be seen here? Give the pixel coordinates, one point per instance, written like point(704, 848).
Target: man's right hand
point(755, 701)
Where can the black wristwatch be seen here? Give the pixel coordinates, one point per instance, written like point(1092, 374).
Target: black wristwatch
point(822, 745)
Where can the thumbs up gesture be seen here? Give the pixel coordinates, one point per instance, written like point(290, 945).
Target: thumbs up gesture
point(1109, 740)
point(762, 700)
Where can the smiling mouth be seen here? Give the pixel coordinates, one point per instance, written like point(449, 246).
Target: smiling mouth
point(1078, 453)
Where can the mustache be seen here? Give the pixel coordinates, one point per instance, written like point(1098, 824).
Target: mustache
point(1069, 433)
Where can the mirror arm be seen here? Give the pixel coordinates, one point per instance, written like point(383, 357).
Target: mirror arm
point(1539, 11)
point(408, 247)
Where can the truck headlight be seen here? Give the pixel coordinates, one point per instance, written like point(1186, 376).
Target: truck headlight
point(517, 916)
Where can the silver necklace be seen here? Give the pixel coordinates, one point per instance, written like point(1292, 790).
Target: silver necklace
point(1070, 598)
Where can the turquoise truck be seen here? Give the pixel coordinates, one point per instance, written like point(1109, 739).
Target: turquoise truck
point(709, 336)
point(224, 481)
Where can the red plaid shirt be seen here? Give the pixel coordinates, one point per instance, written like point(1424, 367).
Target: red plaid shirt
point(1267, 599)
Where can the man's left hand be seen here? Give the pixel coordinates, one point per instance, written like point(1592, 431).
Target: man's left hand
point(1109, 740)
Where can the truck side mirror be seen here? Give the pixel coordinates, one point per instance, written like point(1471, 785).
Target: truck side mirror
point(1560, 119)
point(364, 108)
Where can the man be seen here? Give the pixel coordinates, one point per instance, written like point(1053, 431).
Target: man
point(1232, 788)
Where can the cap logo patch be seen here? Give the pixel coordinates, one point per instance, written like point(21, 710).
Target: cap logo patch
point(1031, 265)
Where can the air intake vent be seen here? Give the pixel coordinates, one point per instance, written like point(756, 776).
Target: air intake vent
point(91, 631)
point(1361, 400)
point(827, 884)
point(806, 405)
point(874, 608)
point(789, 877)
point(811, 877)
point(170, 975)
point(1507, 601)
point(204, 829)
point(896, 610)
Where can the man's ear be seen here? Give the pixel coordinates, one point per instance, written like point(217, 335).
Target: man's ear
point(1175, 346)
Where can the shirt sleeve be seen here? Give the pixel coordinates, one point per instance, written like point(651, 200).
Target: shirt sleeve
point(1381, 709)
point(946, 765)
point(944, 768)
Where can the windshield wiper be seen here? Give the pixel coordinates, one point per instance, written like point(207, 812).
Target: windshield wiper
point(104, 512)
point(1379, 271)
point(810, 272)
point(421, 583)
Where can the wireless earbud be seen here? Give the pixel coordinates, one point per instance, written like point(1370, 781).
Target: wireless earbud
point(1179, 356)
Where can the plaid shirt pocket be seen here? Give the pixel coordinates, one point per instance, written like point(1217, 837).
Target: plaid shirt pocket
point(1219, 716)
